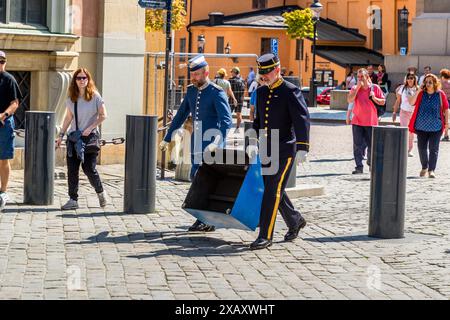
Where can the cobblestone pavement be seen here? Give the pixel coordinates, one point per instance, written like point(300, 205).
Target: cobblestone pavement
point(105, 254)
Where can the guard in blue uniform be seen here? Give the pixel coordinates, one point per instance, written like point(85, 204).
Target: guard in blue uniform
point(207, 103)
point(280, 106)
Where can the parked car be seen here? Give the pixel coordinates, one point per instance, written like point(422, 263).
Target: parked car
point(305, 93)
point(324, 97)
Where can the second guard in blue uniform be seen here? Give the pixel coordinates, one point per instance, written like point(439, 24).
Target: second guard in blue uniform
point(208, 105)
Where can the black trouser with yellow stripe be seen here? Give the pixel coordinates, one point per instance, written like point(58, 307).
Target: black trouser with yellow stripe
point(275, 198)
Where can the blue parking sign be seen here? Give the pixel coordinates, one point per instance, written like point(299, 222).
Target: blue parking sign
point(274, 46)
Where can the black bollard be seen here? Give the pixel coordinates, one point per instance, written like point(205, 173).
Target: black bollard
point(39, 158)
point(388, 182)
point(140, 164)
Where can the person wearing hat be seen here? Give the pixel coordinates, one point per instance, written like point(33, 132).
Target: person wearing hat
point(208, 105)
point(10, 97)
point(238, 88)
point(283, 114)
point(225, 84)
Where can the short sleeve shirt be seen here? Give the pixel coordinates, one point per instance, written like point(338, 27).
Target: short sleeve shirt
point(429, 115)
point(405, 93)
point(223, 83)
point(364, 112)
point(87, 111)
point(9, 90)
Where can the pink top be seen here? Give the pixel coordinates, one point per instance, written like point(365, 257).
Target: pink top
point(364, 112)
point(446, 87)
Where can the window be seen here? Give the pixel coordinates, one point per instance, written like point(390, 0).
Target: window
point(265, 45)
point(259, 4)
point(182, 48)
point(402, 32)
point(23, 79)
point(220, 45)
point(377, 31)
point(23, 11)
point(299, 50)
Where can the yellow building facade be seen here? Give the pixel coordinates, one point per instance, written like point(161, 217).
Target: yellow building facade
point(372, 27)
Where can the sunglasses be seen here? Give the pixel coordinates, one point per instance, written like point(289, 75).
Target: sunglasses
point(429, 82)
point(81, 78)
point(410, 78)
point(2, 61)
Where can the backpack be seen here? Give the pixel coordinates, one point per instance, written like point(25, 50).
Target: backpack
point(381, 108)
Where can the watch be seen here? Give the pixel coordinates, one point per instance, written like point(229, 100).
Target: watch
point(6, 114)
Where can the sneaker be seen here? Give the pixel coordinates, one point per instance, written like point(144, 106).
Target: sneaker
point(446, 138)
point(358, 171)
point(102, 199)
point(431, 174)
point(410, 154)
point(4, 198)
point(70, 205)
point(423, 172)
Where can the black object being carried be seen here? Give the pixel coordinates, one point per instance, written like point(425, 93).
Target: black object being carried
point(227, 193)
point(381, 108)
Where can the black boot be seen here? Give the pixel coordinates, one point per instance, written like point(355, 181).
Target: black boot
point(293, 233)
point(260, 243)
point(200, 226)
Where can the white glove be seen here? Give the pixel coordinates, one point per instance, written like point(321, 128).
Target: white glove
point(302, 156)
point(164, 145)
point(252, 151)
point(213, 145)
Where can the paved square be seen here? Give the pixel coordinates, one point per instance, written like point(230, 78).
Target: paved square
point(95, 253)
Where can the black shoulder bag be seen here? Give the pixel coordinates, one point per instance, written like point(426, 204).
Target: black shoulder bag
point(92, 141)
point(381, 108)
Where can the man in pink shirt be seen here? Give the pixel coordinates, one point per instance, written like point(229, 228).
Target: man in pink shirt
point(364, 116)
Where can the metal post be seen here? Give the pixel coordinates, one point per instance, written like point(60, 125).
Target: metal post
point(312, 84)
point(388, 182)
point(166, 78)
point(292, 180)
point(39, 157)
point(140, 164)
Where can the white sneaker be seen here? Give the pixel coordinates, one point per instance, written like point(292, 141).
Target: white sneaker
point(410, 154)
point(70, 205)
point(4, 198)
point(102, 199)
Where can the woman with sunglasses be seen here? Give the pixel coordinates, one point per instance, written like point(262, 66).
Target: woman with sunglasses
point(89, 114)
point(408, 89)
point(429, 121)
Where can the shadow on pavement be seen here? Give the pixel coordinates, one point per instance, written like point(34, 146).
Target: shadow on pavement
point(74, 215)
point(323, 175)
point(342, 239)
point(23, 209)
point(331, 160)
point(183, 244)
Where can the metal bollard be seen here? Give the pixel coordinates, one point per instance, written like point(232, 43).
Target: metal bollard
point(140, 164)
point(39, 158)
point(247, 125)
point(388, 182)
point(292, 180)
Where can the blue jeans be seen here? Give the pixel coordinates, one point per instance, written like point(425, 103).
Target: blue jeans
point(362, 139)
point(428, 141)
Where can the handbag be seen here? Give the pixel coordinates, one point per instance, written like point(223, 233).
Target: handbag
point(92, 141)
point(381, 108)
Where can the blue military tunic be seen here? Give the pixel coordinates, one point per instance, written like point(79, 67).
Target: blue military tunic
point(209, 109)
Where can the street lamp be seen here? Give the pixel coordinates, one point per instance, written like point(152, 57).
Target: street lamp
point(316, 8)
point(201, 41)
point(403, 41)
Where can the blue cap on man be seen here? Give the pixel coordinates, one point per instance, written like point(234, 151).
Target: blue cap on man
point(197, 63)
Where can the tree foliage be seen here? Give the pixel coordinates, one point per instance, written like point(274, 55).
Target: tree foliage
point(155, 19)
point(300, 24)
